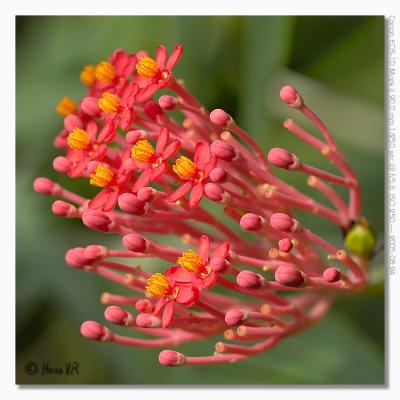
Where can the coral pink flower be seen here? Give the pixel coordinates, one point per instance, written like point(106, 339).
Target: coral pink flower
point(194, 173)
point(153, 75)
point(152, 161)
point(171, 292)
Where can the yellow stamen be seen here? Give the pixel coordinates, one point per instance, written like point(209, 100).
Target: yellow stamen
point(157, 284)
point(108, 103)
point(78, 139)
point(190, 261)
point(142, 151)
point(184, 168)
point(66, 106)
point(105, 72)
point(88, 75)
point(102, 176)
point(146, 67)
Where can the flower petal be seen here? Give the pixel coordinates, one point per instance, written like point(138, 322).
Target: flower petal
point(178, 274)
point(174, 57)
point(221, 250)
point(180, 192)
point(196, 195)
point(171, 149)
point(204, 247)
point(162, 141)
point(210, 280)
point(161, 57)
point(168, 315)
point(187, 295)
point(201, 154)
point(143, 180)
point(157, 172)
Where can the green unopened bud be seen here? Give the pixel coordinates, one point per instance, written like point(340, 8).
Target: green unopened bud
point(361, 239)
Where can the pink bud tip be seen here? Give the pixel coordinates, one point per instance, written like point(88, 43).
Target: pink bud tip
point(249, 280)
point(220, 118)
point(96, 220)
point(251, 222)
point(171, 358)
point(289, 276)
point(223, 150)
point(218, 175)
point(145, 194)
point(214, 192)
point(95, 331)
point(116, 315)
point(219, 264)
point(129, 203)
point(90, 106)
point(72, 121)
point(290, 97)
point(332, 275)
point(135, 243)
point(144, 306)
point(64, 209)
point(146, 320)
point(133, 136)
point(76, 258)
point(167, 102)
point(95, 252)
point(283, 159)
point(62, 164)
point(235, 317)
point(283, 222)
point(285, 245)
point(46, 186)
point(152, 110)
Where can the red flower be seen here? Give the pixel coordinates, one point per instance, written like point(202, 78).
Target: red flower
point(194, 173)
point(152, 161)
point(172, 292)
point(153, 75)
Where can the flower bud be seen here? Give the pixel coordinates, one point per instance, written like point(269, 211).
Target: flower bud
point(167, 102)
point(223, 150)
point(62, 164)
point(76, 258)
point(219, 264)
point(135, 243)
point(129, 203)
point(171, 358)
point(72, 121)
point(283, 222)
point(290, 97)
point(64, 209)
point(97, 220)
point(249, 280)
point(117, 315)
point(236, 317)
point(46, 186)
point(147, 320)
point(214, 192)
point(133, 136)
point(218, 175)
point(152, 110)
point(251, 222)
point(145, 194)
point(289, 276)
point(220, 118)
point(285, 245)
point(332, 275)
point(90, 106)
point(144, 306)
point(95, 331)
point(283, 159)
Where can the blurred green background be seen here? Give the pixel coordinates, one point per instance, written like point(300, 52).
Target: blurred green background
point(239, 64)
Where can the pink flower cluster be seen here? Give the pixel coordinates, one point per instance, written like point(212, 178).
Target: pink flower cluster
point(156, 153)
